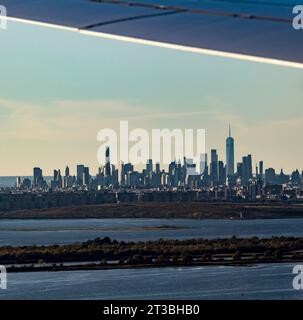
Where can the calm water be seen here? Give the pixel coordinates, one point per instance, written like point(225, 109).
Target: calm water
point(272, 281)
point(27, 232)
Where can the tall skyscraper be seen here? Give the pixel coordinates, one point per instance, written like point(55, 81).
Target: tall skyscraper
point(246, 169)
point(203, 163)
point(67, 171)
point(18, 182)
point(230, 155)
point(158, 168)
point(214, 166)
point(121, 173)
point(56, 175)
point(261, 170)
point(37, 176)
point(149, 166)
point(250, 172)
point(60, 179)
point(68, 180)
point(239, 169)
point(222, 173)
point(86, 176)
point(80, 170)
point(107, 162)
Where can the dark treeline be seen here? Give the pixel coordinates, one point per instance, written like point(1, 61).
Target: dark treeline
point(181, 210)
point(160, 251)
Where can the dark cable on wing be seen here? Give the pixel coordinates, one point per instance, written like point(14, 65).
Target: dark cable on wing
point(94, 25)
point(195, 11)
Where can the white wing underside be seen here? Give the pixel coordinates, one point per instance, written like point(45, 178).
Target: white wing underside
point(252, 30)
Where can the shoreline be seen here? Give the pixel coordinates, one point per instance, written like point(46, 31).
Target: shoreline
point(110, 254)
point(160, 210)
point(93, 267)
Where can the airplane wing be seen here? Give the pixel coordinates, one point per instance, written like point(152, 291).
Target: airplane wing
point(255, 30)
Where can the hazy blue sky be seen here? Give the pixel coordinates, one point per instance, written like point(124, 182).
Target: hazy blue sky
point(58, 89)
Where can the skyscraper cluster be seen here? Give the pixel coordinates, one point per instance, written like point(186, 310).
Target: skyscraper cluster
point(180, 174)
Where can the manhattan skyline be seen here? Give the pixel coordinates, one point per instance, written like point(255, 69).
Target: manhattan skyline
point(209, 164)
point(210, 156)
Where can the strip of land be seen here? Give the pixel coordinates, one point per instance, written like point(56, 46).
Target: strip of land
point(65, 228)
point(111, 254)
point(190, 210)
